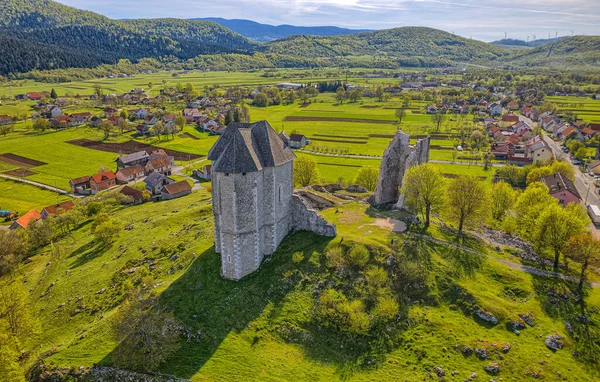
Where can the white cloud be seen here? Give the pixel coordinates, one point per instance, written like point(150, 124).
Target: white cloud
point(485, 20)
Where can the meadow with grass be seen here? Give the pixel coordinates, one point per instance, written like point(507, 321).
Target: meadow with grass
point(249, 328)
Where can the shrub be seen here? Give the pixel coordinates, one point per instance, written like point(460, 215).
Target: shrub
point(335, 257)
point(297, 257)
point(358, 256)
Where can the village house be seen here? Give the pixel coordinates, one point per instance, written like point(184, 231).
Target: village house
point(207, 123)
point(510, 118)
point(562, 189)
point(140, 157)
point(80, 185)
point(566, 131)
point(5, 120)
point(176, 190)
point(129, 174)
point(34, 96)
point(594, 168)
point(160, 164)
point(155, 183)
point(136, 196)
point(110, 112)
point(103, 181)
point(204, 173)
point(140, 113)
point(594, 126)
point(161, 153)
point(288, 85)
point(25, 220)
point(537, 150)
point(588, 133)
point(53, 112)
point(496, 109)
point(143, 130)
point(57, 209)
point(512, 105)
point(85, 116)
point(150, 120)
point(192, 115)
point(298, 141)
point(95, 121)
point(76, 120)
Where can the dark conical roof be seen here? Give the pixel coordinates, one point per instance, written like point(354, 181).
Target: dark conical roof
point(248, 147)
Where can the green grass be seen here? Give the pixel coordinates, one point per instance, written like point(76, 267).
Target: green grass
point(586, 109)
point(244, 323)
point(23, 197)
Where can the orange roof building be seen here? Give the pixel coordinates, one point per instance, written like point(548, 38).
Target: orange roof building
point(25, 220)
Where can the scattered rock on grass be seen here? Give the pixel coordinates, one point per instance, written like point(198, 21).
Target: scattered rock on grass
point(440, 372)
point(487, 317)
point(355, 188)
point(492, 368)
point(554, 342)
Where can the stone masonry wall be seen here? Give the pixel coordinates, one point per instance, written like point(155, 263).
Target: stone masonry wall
point(398, 157)
point(307, 219)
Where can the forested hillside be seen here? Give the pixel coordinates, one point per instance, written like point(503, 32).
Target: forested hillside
point(577, 51)
point(43, 35)
point(48, 28)
point(265, 33)
point(397, 42)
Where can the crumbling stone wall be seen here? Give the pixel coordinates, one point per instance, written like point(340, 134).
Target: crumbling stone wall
point(398, 157)
point(308, 219)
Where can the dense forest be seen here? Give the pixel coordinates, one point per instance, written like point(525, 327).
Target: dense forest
point(41, 35)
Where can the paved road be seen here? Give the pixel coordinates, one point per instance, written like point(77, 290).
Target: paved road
point(41, 185)
point(178, 170)
point(378, 157)
point(584, 183)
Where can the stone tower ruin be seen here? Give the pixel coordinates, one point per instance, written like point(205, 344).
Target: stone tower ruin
point(398, 157)
point(254, 207)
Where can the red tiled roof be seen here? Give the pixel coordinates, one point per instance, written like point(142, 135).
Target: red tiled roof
point(64, 206)
point(130, 171)
point(103, 177)
point(159, 162)
point(176, 188)
point(5, 118)
point(129, 191)
point(30, 217)
point(83, 179)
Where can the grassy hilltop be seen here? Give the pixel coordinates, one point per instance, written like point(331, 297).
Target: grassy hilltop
point(267, 326)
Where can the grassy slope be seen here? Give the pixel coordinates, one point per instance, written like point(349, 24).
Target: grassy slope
point(242, 322)
point(23, 197)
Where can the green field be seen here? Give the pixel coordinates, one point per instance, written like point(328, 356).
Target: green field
point(261, 327)
point(22, 197)
point(362, 128)
point(586, 109)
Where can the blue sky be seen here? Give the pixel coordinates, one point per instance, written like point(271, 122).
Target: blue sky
point(484, 20)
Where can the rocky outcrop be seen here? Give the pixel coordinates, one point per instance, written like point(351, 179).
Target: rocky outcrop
point(308, 219)
point(554, 342)
point(398, 157)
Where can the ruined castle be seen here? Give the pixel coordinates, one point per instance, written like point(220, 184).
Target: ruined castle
point(254, 207)
point(398, 157)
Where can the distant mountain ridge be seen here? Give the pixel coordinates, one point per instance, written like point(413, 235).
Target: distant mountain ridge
point(264, 32)
point(523, 43)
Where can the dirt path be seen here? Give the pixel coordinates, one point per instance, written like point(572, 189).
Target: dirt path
point(379, 157)
point(41, 185)
point(511, 264)
point(178, 170)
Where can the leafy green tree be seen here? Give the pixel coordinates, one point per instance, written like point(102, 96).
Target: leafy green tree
point(15, 311)
point(261, 100)
point(106, 229)
point(53, 94)
point(147, 334)
point(106, 127)
point(9, 365)
point(502, 200)
point(400, 114)
point(437, 120)
point(585, 249)
point(423, 188)
point(468, 201)
point(41, 124)
point(367, 177)
point(14, 245)
point(305, 171)
point(530, 205)
point(555, 226)
point(180, 122)
point(340, 95)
